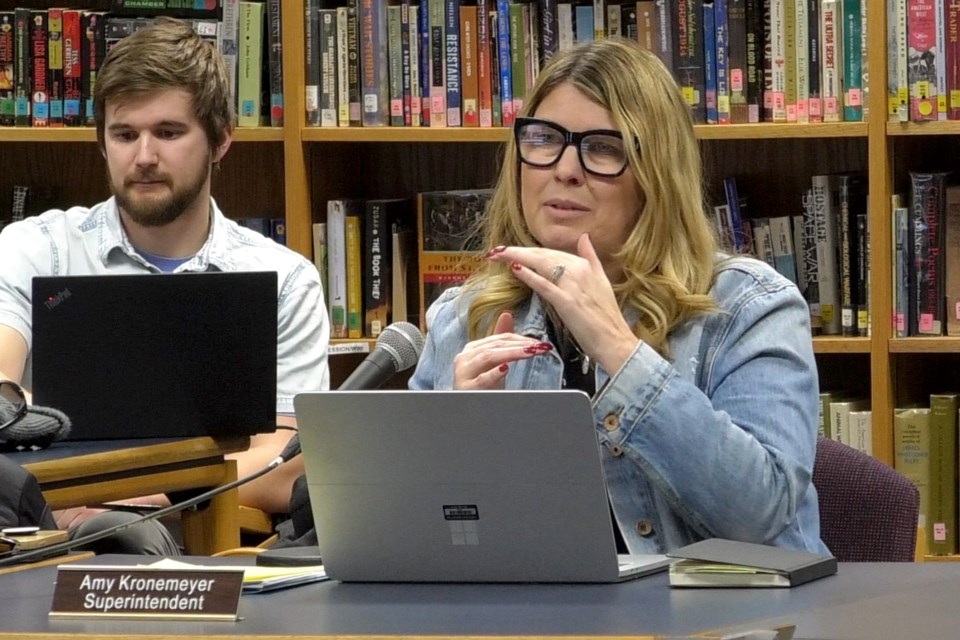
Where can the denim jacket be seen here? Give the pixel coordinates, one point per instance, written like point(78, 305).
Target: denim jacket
point(717, 441)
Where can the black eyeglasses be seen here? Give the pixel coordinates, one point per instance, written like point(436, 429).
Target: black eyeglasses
point(540, 143)
point(13, 404)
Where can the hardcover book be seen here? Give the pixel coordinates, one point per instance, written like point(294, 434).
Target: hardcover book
point(311, 67)
point(728, 563)
point(275, 62)
point(374, 73)
point(250, 60)
point(55, 63)
point(93, 49)
point(72, 69)
point(952, 260)
point(336, 293)
point(911, 454)
point(942, 518)
point(383, 219)
point(40, 75)
point(926, 286)
point(7, 111)
point(448, 242)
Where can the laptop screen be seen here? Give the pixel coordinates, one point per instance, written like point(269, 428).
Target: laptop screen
point(151, 356)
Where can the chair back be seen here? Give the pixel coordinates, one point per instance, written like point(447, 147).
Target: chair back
point(868, 511)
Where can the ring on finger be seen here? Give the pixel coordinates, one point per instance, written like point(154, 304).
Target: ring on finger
point(557, 273)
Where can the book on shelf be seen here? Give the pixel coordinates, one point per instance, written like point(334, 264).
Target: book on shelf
point(274, 62)
point(39, 69)
point(327, 45)
point(840, 411)
point(447, 222)
point(709, 56)
point(383, 218)
point(831, 71)
point(951, 260)
point(826, 212)
point(901, 270)
point(824, 416)
point(941, 531)
point(852, 200)
point(405, 277)
point(451, 40)
point(250, 64)
point(911, 455)
point(55, 64)
point(470, 88)
point(395, 65)
point(93, 51)
point(318, 237)
point(851, 56)
point(21, 67)
point(861, 430)
point(925, 263)
point(922, 60)
point(7, 109)
point(737, 60)
point(716, 562)
point(311, 63)
point(229, 41)
point(801, 53)
point(353, 241)
point(337, 211)
point(72, 69)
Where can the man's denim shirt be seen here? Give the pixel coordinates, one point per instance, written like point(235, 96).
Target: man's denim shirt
point(81, 241)
point(718, 441)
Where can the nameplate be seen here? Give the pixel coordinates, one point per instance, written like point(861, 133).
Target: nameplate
point(197, 593)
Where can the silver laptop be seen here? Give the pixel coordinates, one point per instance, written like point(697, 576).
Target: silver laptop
point(460, 486)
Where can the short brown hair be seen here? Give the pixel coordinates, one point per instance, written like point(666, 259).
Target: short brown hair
point(167, 55)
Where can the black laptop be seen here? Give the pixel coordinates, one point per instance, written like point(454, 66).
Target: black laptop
point(154, 356)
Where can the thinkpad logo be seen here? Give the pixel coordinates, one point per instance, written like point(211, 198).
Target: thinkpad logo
point(54, 301)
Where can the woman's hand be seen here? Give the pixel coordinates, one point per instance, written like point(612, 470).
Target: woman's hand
point(484, 363)
point(578, 289)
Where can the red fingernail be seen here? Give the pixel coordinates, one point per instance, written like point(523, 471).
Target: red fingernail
point(516, 266)
point(544, 346)
point(532, 349)
point(499, 249)
point(504, 368)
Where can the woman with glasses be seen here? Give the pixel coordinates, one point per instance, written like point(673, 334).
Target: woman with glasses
point(603, 274)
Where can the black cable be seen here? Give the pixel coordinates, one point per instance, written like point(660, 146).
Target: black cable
point(14, 558)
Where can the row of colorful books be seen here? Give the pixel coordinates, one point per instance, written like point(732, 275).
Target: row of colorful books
point(455, 63)
point(384, 260)
point(926, 257)
point(923, 60)
point(825, 250)
point(49, 58)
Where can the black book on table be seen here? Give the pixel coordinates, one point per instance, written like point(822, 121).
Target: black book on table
point(727, 563)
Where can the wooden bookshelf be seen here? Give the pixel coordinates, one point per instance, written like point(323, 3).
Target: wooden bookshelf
point(293, 170)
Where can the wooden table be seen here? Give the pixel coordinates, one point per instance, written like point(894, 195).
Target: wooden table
point(75, 474)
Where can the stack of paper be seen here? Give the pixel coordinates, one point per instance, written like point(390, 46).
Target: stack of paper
point(260, 579)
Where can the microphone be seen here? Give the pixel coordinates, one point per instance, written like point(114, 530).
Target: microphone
point(398, 348)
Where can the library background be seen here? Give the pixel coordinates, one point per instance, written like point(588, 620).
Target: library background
point(370, 133)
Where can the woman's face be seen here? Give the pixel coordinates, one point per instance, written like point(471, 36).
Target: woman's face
point(563, 201)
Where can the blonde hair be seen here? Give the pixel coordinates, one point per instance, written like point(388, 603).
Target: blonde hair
point(167, 55)
point(668, 258)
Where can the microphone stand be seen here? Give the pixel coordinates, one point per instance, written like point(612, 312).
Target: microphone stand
point(13, 558)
